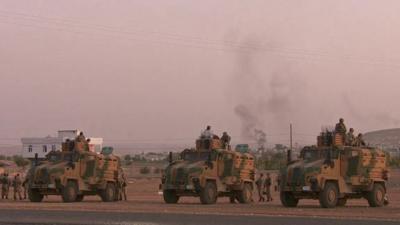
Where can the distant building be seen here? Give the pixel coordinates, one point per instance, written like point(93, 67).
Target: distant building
point(42, 146)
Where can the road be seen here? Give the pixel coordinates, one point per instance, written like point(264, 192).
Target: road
point(43, 217)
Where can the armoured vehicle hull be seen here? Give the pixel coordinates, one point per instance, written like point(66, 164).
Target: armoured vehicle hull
point(74, 174)
point(333, 174)
point(209, 173)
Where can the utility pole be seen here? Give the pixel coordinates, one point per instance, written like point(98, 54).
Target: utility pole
point(289, 153)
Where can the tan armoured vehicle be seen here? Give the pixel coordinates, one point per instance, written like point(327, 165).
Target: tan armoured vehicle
point(333, 173)
point(75, 172)
point(209, 172)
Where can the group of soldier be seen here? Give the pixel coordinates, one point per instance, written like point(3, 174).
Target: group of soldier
point(209, 134)
point(264, 187)
point(349, 138)
point(16, 183)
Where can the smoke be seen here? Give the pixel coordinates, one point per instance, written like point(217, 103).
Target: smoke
point(261, 138)
point(265, 93)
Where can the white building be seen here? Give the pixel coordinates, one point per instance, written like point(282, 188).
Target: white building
point(42, 146)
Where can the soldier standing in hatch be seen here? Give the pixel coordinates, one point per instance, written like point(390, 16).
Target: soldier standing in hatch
point(225, 139)
point(340, 127)
point(207, 133)
point(17, 185)
point(5, 187)
point(360, 140)
point(350, 138)
point(260, 185)
point(267, 186)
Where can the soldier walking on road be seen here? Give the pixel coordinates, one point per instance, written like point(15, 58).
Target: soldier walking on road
point(122, 184)
point(260, 184)
point(25, 186)
point(17, 185)
point(267, 186)
point(5, 187)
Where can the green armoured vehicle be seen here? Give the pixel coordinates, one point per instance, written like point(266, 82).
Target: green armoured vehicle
point(209, 172)
point(333, 173)
point(75, 172)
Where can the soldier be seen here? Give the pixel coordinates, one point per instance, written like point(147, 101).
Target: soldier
point(340, 127)
point(17, 185)
point(260, 184)
point(359, 140)
point(350, 138)
point(5, 186)
point(225, 139)
point(25, 186)
point(267, 186)
point(81, 137)
point(207, 133)
point(122, 182)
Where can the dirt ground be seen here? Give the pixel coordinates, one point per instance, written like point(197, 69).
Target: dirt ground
point(143, 197)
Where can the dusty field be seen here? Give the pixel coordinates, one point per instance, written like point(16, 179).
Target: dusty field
point(144, 197)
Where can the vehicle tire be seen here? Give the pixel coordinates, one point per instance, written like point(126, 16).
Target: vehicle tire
point(70, 192)
point(341, 202)
point(79, 198)
point(376, 197)
point(108, 194)
point(245, 196)
point(209, 194)
point(34, 195)
point(288, 200)
point(328, 198)
point(170, 197)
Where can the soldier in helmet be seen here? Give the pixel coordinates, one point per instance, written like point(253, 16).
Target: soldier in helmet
point(360, 140)
point(122, 184)
point(260, 185)
point(17, 185)
point(267, 186)
point(340, 127)
point(350, 138)
point(5, 187)
point(225, 139)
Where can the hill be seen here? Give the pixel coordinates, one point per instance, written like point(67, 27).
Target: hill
point(389, 138)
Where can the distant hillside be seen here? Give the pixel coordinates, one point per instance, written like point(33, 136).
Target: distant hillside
point(389, 138)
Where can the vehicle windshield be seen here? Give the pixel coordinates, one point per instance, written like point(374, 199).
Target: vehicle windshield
point(196, 156)
point(316, 154)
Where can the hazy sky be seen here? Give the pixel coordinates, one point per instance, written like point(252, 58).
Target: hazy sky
point(161, 70)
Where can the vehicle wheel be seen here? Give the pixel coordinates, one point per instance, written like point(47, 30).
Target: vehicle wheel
point(341, 202)
point(108, 194)
point(328, 198)
point(70, 192)
point(170, 197)
point(246, 195)
point(34, 195)
point(79, 198)
point(288, 200)
point(209, 194)
point(376, 197)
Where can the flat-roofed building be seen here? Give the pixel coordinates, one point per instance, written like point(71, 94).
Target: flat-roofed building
point(42, 146)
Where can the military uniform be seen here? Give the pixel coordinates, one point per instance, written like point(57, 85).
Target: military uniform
point(350, 139)
point(17, 185)
point(225, 139)
point(267, 186)
point(359, 141)
point(340, 128)
point(5, 187)
point(260, 184)
point(25, 187)
point(122, 184)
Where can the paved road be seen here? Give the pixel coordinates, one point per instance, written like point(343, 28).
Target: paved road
point(42, 217)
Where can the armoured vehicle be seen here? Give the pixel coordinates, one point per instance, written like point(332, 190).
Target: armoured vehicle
point(75, 172)
point(209, 172)
point(333, 172)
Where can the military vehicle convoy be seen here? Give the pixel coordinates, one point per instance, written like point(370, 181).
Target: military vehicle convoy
point(333, 173)
point(209, 172)
point(75, 172)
